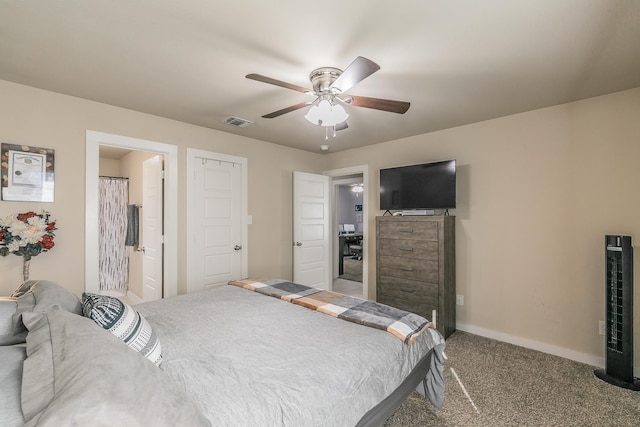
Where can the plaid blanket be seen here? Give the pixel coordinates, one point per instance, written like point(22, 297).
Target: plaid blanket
point(403, 324)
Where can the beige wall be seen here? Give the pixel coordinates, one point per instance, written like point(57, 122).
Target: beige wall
point(109, 167)
point(537, 192)
point(45, 119)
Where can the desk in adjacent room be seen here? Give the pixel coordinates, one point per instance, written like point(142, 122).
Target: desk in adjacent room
point(345, 240)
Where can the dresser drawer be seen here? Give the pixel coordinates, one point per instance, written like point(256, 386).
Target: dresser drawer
point(408, 289)
point(407, 248)
point(421, 308)
point(408, 230)
point(408, 268)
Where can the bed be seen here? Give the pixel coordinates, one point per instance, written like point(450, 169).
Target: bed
point(227, 356)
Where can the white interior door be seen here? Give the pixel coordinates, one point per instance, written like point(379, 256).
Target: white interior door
point(311, 249)
point(218, 238)
point(151, 219)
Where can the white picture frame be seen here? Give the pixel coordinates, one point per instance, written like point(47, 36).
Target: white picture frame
point(27, 173)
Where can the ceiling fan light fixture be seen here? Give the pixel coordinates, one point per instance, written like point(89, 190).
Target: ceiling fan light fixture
point(327, 114)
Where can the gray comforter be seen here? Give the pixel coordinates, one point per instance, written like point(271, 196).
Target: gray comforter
point(250, 360)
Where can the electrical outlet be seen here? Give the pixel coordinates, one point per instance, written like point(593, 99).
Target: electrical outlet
point(601, 327)
point(459, 299)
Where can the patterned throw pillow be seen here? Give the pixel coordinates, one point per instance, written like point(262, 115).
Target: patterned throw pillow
point(124, 322)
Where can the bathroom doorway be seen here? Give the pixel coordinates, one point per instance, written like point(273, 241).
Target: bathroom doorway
point(169, 196)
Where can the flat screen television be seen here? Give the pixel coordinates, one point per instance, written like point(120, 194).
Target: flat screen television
point(424, 186)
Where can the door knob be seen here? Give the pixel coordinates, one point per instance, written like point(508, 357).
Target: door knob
point(298, 243)
point(237, 247)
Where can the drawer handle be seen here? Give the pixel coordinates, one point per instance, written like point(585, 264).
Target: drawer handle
point(408, 290)
point(406, 231)
point(406, 268)
point(407, 249)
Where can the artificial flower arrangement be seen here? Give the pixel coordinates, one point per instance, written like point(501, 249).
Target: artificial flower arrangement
point(26, 234)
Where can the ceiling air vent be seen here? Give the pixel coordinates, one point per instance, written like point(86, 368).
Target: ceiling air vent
point(237, 121)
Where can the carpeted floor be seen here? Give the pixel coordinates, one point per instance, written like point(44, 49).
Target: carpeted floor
point(514, 386)
point(352, 269)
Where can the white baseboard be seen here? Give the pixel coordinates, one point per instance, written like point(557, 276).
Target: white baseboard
point(135, 299)
point(130, 296)
point(588, 359)
point(113, 292)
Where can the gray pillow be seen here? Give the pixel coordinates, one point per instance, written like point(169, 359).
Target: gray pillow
point(42, 296)
point(8, 307)
point(10, 380)
point(77, 373)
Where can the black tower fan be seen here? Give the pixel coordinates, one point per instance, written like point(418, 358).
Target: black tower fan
point(619, 323)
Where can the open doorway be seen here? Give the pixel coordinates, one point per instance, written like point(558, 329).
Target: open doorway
point(348, 212)
point(169, 256)
point(131, 224)
point(349, 220)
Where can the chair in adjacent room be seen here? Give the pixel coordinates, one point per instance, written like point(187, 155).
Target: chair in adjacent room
point(356, 250)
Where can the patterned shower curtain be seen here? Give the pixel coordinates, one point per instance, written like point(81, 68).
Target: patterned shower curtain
point(114, 260)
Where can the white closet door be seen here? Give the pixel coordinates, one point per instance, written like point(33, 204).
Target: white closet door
point(217, 224)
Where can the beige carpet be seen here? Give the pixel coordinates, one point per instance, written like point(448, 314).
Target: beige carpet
point(514, 386)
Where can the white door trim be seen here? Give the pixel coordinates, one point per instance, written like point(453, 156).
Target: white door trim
point(343, 173)
point(93, 141)
point(192, 155)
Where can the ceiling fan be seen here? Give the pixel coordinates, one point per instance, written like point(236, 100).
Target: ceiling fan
point(329, 85)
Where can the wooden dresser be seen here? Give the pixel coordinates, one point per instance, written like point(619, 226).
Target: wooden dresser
point(416, 266)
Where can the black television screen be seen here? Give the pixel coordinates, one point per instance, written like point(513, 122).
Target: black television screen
point(424, 186)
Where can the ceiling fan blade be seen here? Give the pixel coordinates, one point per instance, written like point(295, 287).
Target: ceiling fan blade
point(389, 105)
point(269, 80)
point(286, 110)
point(358, 70)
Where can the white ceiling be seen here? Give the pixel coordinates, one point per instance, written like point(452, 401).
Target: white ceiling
point(456, 61)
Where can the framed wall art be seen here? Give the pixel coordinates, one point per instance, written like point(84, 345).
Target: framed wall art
point(27, 173)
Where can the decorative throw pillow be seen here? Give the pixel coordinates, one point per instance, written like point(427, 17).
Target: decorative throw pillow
point(124, 322)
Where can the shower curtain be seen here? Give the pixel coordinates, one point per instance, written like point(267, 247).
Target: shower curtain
point(113, 257)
